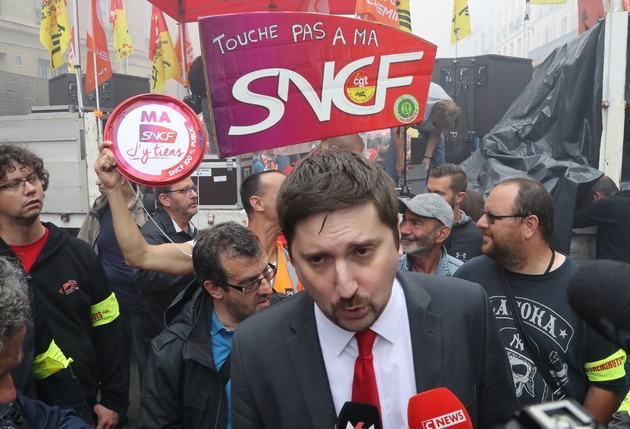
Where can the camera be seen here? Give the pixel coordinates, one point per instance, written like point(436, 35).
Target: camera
point(564, 414)
point(194, 102)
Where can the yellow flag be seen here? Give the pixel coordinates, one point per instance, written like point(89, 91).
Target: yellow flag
point(122, 40)
point(162, 52)
point(404, 15)
point(547, 1)
point(460, 28)
point(54, 32)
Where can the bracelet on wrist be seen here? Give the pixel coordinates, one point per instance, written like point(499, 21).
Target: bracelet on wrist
point(426, 157)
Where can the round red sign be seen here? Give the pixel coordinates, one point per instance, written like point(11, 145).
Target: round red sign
point(158, 140)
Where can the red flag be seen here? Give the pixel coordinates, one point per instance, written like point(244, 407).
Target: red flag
point(96, 45)
point(383, 11)
point(190, 54)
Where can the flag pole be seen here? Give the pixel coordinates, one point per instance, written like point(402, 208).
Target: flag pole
point(77, 56)
point(182, 39)
point(526, 31)
point(98, 102)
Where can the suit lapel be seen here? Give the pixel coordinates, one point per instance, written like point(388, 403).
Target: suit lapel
point(426, 335)
point(309, 368)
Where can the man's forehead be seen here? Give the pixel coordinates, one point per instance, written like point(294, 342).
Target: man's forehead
point(409, 215)
point(186, 182)
point(503, 194)
point(235, 265)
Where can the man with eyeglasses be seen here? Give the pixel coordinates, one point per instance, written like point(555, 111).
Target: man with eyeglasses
point(177, 204)
point(187, 381)
point(523, 275)
point(68, 282)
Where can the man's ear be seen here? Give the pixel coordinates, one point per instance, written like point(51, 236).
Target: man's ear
point(442, 234)
point(460, 196)
point(166, 202)
point(597, 196)
point(256, 202)
point(531, 222)
point(215, 290)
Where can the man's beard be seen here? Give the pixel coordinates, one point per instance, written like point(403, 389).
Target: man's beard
point(505, 251)
point(420, 247)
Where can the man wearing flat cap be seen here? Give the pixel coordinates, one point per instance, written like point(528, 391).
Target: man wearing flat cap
point(427, 220)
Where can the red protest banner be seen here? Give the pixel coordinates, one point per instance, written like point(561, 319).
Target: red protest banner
point(282, 78)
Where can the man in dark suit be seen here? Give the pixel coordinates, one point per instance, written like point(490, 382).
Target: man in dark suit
point(298, 363)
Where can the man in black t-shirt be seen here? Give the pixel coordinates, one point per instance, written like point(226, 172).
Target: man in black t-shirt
point(517, 226)
point(609, 209)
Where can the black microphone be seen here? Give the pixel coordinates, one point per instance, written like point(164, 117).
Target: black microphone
point(599, 293)
point(359, 415)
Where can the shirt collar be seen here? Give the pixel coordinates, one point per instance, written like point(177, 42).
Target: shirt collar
point(191, 228)
point(216, 327)
point(442, 267)
point(385, 326)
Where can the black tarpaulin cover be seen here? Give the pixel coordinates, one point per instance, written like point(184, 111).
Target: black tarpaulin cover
point(552, 131)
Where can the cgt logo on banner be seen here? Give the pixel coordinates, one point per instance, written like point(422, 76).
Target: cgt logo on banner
point(282, 78)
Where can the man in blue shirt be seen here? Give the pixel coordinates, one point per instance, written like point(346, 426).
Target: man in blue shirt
point(187, 380)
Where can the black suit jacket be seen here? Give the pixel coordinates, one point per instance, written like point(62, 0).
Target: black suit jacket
point(279, 377)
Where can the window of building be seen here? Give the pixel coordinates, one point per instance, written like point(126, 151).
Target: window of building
point(38, 12)
point(563, 26)
point(2, 60)
point(17, 61)
point(519, 48)
point(44, 69)
point(512, 49)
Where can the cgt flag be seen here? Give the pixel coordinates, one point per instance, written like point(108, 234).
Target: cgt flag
point(190, 53)
point(460, 28)
point(96, 47)
point(162, 52)
point(71, 54)
point(54, 31)
point(383, 11)
point(404, 15)
point(122, 40)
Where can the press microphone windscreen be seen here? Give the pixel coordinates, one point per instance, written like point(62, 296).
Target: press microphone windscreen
point(599, 293)
point(359, 415)
point(437, 409)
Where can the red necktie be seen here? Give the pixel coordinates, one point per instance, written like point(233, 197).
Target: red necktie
point(364, 387)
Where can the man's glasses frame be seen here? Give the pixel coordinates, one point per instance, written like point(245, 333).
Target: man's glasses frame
point(18, 185)
point(185, 191)
point(268, 274)
point(492, 218)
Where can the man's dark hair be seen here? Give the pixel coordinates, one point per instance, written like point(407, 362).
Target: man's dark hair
point(253, 185)
point(457, 175)
point(229, 239)
point(604, 185)
point(446, 114)
point(534, 199)
point(11, 154)
point(471, 204)
point(332, 180)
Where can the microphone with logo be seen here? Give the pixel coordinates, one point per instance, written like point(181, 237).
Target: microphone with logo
point(437, 409)
point(359, 415)
point(599, 294)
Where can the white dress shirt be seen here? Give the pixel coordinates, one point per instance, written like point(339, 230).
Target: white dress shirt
point(393, 359)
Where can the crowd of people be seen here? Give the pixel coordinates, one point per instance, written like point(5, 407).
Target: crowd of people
point(372, 299)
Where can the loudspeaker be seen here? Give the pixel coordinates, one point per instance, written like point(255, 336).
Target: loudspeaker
point(483, 87)
point(62, 90)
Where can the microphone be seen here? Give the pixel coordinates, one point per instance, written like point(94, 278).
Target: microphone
point(437, 409)
point(359, 415)
point(599, 294)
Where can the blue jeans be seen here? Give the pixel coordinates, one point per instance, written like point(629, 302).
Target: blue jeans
point(131, 339)
point(439, 157)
